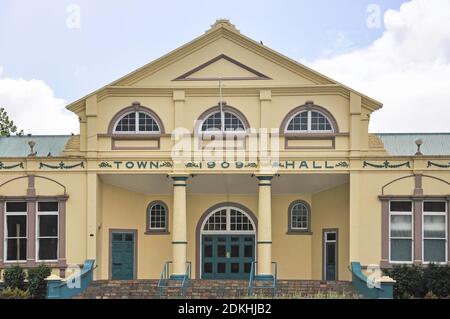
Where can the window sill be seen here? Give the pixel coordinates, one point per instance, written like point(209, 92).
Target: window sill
point(157, 232)
point(299, 233)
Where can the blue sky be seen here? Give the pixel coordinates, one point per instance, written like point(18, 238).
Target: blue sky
point(35, 42)
point(44, 64)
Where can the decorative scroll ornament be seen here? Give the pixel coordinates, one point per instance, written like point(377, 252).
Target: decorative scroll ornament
point(4, 166)
point(104, 165)
point(166, 164)
point(430, 164)
point(387, 164)
point(342, 164)
point(61, 165)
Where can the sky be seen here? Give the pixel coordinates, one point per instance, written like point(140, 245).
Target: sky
point(53, 52)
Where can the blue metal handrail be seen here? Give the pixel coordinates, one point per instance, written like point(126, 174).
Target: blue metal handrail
point(253, 278)
point(165, 279)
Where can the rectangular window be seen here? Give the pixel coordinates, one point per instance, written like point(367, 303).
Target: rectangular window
point(16, 231)
point(401, 231)
point(435, 231)
point(47, 231)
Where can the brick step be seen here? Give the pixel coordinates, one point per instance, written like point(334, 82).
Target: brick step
point(214, 289)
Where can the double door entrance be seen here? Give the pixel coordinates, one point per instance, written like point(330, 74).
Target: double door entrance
point(227, 256)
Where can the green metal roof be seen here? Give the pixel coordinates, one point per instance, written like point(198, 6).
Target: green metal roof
point(46, 145)
point(404, 144)
point(396, 144)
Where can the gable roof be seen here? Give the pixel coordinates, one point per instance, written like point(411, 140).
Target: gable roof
point(17, 146)
point(396, 144)
point(224, 29)
point(404, 144)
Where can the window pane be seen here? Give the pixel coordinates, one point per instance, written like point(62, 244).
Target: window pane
point(434, 226)
point(401, 226)
point(401, 250)
point(434, 250)
point(299, 122)
point(16, 226)
point(233, 123)
point(217, 221)
point(158, 217)
point(319, 122)
point(127, 123)
point(48, 248)
point(48, 206)
point(16, 249)
point(48, 225)
point(212, 123)
point(147, 123)
point(12, 207)
point(299, 216)
point(434, 206)
point(401, 206)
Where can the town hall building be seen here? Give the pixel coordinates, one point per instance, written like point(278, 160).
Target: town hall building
point(224, 160)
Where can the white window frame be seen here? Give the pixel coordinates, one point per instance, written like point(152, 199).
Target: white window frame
point(150, 228)
point(5, 235)
point(308, 216)
point(445, 214)
point(228, 230)
point(412, 231)
point(309, 130)
point(222, 125)
point(137, 131)
point(38, 214)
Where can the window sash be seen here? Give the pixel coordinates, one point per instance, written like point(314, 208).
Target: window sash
point(7, 237)
point(137, 129)
point(309, 129)
point(39, 214)
point(225, 118)
point(428, 239)
point(398, 239)
point(157, 217)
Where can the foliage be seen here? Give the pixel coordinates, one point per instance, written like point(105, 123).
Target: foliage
point(429, 282)
point(14, 293)
point(7, 126)
point(14, 277)
point(37, 284)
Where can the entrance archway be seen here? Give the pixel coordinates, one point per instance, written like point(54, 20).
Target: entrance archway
point(226, 237)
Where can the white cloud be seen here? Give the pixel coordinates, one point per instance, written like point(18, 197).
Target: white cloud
point(407, 68)
point(33, 107)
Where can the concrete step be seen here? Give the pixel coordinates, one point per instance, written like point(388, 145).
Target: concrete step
point(216, 289)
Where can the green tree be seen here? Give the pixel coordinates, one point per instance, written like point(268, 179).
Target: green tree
point(7, 126)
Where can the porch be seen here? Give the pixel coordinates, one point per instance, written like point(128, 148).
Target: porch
point(221, 223)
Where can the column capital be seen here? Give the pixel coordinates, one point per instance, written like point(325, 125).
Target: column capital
point(264, 177)
point(179, 179)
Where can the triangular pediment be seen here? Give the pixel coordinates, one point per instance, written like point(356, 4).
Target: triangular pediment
point(222, 67)
point(222, 53)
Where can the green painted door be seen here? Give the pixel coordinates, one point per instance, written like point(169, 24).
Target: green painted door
point(122, 256)
point(227, 256)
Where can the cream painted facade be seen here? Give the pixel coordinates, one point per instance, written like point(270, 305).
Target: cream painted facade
point(104, 180)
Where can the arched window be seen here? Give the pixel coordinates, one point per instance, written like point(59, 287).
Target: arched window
point(157, 217)
point(309, 121)
point(299, 217)
point(225, 122)
point(137, 122)
point(228, 219)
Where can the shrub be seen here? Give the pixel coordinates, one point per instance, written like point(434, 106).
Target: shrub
point(37, 284)
point(14, 277)
point(14, 293)
point(420, 282)
point(437, 280)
